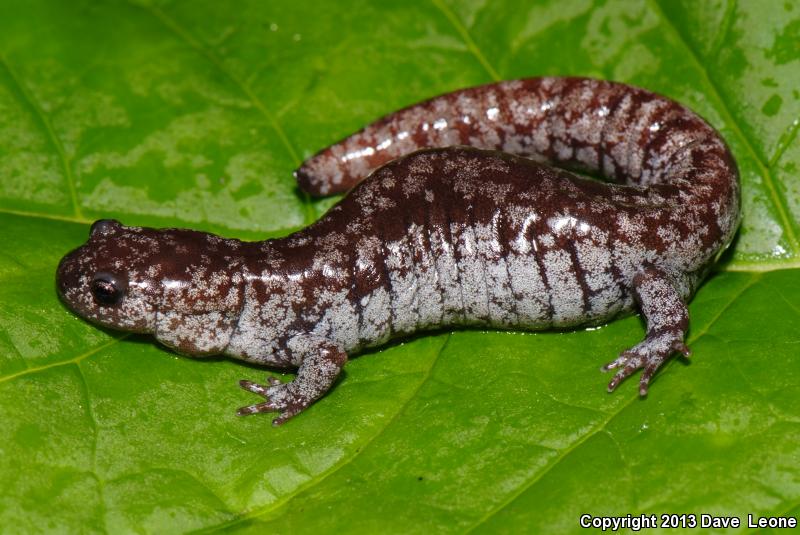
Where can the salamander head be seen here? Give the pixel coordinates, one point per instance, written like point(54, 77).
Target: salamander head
point(174, 283)
point(107, 280)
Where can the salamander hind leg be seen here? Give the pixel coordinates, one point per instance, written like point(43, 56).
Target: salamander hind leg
point(667, 322)
point(320, 367)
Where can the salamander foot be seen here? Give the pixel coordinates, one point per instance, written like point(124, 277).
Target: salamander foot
point(281, 397)
point(650, 354)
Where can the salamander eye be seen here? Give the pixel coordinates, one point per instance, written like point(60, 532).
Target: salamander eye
point(104, 226)
point(107, 288)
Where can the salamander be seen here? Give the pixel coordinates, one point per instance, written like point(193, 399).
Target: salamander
point(471, 215)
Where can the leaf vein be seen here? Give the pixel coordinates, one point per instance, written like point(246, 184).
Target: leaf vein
point(467, 38)
point(788, 303)
point(325, 475)
point(754, 278)
point(784, 141)
point(95, 435)
point(599, 427)
point(52, 217)
point(725, 27)
point(27, 98)
point(722, 105)
point(195, 44)
point(775, 264)
point(73, 360)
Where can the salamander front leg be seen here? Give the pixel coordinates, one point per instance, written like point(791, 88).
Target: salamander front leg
point(667, 321)
point(315, 376)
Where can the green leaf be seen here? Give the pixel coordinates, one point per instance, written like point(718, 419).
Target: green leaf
point(195, 113)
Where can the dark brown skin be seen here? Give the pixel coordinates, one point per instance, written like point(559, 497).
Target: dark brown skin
point(444, 237)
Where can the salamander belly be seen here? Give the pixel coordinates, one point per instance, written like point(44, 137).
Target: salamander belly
point(466, 276)
point(543, 289)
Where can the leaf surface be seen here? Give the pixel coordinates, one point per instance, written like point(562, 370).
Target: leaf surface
point(195, 113)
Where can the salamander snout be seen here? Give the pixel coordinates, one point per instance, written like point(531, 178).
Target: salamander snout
point(67, 275)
